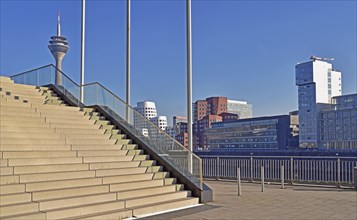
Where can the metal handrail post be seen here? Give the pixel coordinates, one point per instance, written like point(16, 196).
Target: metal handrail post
point(239, 182)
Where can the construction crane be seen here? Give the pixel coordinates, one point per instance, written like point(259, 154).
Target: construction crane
point(321, 58)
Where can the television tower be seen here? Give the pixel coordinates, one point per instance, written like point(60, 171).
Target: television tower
point(58, 47)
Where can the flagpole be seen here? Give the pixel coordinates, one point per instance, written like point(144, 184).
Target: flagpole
point(82, 48)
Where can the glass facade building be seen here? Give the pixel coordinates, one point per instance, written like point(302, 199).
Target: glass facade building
point(256, 133)
point(338, 126)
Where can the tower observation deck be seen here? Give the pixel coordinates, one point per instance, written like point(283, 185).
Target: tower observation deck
point(58, 47)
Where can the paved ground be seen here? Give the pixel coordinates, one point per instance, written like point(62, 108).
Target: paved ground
point(294, 202)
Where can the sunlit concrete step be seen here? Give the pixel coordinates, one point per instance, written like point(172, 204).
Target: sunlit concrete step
point(12, 189)
point(44, 108)
point(79, 131)
point(41, 177)
point(123, 141)
point(77, 201)
point(147, 200)
point(146, 191)
point(3, 162)
point(120, 171)
point(63, 116)
point(59, 110)
point(15, 199)
point(164, 206)
point(85, 210)
point(25, 125)
point(134, 177)
point(14, 103)
point(73, 126)
point(21, 118)
point(86, 136)
point(117, 214)
point(50, 168)
point(27, 130)
point(112, 165)
point(83, 147)
point(23, 135)
point(39, 154)
point(62, 184)
point(26, 108)
point(114, 158)
point(101, 153)
point(19, 209)
point(43, 161)
point(71, 192)
point(34, 147)
point(79, 120)
point(28, 216)
point(5, 171)
point(17, 86)
point(5, 113)
point(90, 141)
point(134, 185)
point(4, 180)
point(5, 140)
point(5, 79)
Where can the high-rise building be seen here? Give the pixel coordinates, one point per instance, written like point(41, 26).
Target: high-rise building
point(317, 83)
point(338, 125)
point(178, 119)
point(160, 121)
point(58, 47)
point(148, 110)
point(241, 108)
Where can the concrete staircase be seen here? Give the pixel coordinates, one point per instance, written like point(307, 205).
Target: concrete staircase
point(61, 162)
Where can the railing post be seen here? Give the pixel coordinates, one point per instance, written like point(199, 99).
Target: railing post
point(355, 177)
point(217, 169)
point(338, 173)
point(282, 176)
point(262, 174)
point(239, 182)
point(251, 169)
point(38, 78)
point(291, 170)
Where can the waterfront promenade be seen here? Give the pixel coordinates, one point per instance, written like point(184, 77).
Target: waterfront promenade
point(293, 202)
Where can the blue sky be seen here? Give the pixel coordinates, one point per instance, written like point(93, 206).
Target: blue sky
point(245, 50)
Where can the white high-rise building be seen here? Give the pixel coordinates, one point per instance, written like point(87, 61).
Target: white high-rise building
point(160, 121)
point(317, 83)
point(148, 110)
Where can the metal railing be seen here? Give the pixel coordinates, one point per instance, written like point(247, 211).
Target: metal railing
point(336, 171)
point(180, 157)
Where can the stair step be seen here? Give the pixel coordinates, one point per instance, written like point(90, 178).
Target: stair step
point(99, 159)
point(85, 210)
point(122, 214)
point(146, 192)
point(17, 113)
point(164, 206)
point(12, 189)
point(32, 141)
point(62, 184)
point(133, 177)
point(16, 109)
point(112, 165)
point(79, 131)
point(34, 147)
point(42, 177)
point(77, 201)
point(50, 168)
point(71, 192)
point(28, 130)
point(86, 136)
point(73, 126)
point(83, 147)
point(24, 125)
point(18, 209)
point(3, 162)
point(147, 200)
point(4, 180)
point(134, 185)
point(74, 121)
point(5, 171)
point(22, 135)
point(28, 216)
point(90, 141)
point(43, 161)
point(120, 171)
point(39, 154)
point(63, 116)
point(15, 199)
point(102, 153)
